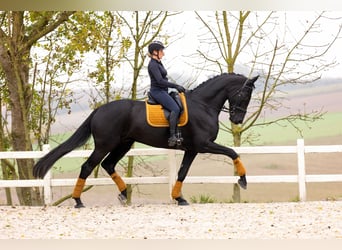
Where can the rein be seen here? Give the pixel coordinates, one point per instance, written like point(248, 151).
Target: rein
point(207, 106)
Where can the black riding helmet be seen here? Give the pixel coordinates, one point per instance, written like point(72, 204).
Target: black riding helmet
point(155, 45)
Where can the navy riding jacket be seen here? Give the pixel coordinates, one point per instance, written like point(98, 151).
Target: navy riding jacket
point(158, 76)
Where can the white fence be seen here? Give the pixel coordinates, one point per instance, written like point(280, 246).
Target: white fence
point(301, 178)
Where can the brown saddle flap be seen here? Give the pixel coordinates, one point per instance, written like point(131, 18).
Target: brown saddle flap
point(156, 118)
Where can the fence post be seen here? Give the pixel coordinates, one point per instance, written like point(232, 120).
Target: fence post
point(172, 170)
point(301, 169)
point(47, 180)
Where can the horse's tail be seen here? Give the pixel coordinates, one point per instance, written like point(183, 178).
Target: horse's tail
point(79, 138)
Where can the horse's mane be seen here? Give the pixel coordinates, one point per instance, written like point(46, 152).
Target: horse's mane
point(215, 77)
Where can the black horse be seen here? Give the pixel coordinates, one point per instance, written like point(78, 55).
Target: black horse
point(117, 125)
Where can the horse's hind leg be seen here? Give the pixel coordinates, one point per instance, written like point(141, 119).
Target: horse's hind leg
point(109, 164)
point(176, 194)
point(87, 167)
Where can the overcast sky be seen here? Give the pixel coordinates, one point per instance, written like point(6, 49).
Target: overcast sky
point(178, 51)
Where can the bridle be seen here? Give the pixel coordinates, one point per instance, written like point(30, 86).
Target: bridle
point(238, 96)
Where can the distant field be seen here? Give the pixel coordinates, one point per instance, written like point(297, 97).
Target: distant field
point(330, 125)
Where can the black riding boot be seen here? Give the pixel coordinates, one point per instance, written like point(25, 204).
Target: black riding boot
point(173, 120)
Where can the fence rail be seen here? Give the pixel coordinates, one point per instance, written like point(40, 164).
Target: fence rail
point(301, 177)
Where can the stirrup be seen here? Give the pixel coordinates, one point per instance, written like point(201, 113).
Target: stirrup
point(179, 141)
point(172, 141)
point(179, 137)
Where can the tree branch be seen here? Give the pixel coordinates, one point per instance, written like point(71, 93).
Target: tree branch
point(44, 26)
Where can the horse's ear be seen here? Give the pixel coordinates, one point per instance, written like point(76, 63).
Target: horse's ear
point(252, 80)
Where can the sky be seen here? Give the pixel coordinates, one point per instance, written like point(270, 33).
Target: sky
point(296, 20)
point(186, 32)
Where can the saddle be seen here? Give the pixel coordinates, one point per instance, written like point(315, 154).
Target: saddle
point(157, 116)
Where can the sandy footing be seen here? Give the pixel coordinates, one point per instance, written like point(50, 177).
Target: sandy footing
point(307, 220)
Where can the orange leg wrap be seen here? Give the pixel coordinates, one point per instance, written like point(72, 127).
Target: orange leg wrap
point(119, 182)
point(176, 191)
point(78, 188)
point(239, 167)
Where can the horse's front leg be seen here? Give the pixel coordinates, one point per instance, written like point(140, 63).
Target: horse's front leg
point(215, 148)
point(176, 194)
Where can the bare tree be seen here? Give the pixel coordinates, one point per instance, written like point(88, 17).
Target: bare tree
point(141, 28)
point(265, 44)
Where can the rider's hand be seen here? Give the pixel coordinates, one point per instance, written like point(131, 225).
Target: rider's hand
point(180, 88)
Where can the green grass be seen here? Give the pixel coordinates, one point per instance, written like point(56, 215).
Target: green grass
point(64, 165)
point(202, 199)
point(329, 125)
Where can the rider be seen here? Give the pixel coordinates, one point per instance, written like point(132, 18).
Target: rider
point(160, 85)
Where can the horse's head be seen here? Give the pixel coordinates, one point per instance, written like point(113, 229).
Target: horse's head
point(238, 102)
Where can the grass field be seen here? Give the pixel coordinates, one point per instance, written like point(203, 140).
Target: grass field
point(329, 125)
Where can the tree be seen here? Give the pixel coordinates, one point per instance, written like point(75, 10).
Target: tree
point(66, 52)
point(118, 42)
point(6, 165)
point(107, 46)
point(111, 47)
point(276, 54)
point(19, 32)
point(141, 28)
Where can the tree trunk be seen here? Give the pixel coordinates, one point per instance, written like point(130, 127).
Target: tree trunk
point(236, 131)
point(3, 165)
point(130, 174)
point(16, 68)
point(136, 69)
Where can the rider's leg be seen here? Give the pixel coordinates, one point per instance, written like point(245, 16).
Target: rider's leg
point(173, 120)
point(170, 104)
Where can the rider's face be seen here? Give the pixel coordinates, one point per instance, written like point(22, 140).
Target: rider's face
point(159, 54)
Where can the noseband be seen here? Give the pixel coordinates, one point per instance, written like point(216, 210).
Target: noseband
point(238, 96)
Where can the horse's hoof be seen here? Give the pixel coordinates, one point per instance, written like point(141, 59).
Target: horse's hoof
point(79, 203)
point(243, 182)
point(181, 201)
point(122, 199)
